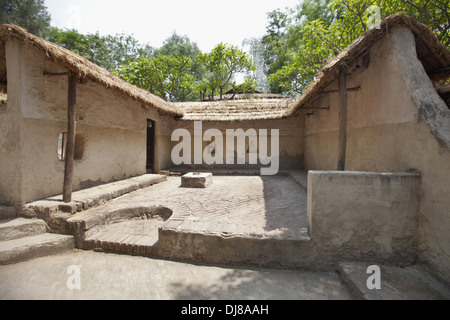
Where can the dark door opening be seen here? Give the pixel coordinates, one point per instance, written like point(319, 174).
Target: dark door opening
point(150, 146)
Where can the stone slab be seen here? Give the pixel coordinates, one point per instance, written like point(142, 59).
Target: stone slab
point(196, 180)
point(27, 248)
point(91, 197)
point(21, 227)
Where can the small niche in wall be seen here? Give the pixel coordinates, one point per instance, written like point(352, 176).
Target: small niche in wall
point(3, 101)
point(3, 95)
point(62, 139)
point(79, 146)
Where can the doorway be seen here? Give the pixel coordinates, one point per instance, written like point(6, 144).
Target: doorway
point(150, 146)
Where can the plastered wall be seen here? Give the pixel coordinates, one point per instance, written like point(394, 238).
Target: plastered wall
point(290, 139)
point(364, 216)
point(113, 125)
point(396, 123)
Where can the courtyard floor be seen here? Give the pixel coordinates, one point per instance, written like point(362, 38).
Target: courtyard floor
point(244, 206)
point(122, 277)
point(265, 213)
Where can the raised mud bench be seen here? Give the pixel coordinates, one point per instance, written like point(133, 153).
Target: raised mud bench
point(126, 230)
point(55, 212)
point(196, 180)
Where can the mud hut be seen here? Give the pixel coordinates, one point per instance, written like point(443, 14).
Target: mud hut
point(386, 113)
point(52, 98)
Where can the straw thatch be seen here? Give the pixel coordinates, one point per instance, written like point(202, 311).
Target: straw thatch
point(86, 69)
point(256, 95)
point(234, 110)
point(434, 56)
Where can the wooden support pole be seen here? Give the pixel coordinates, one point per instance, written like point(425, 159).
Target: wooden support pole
point(342, 148)
point(70, 146)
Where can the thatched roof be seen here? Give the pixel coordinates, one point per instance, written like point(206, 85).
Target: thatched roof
point(256, 95)
point(86, 69)
point(234, 110)
point(433, 55)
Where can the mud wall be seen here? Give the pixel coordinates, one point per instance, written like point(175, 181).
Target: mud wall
point(396, 123)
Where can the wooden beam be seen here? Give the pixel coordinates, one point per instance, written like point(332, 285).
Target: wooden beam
point(55, 73)
point(315, 108)
point(358, 88)
point(342, 147)
point(434, 72)
point(70, 145)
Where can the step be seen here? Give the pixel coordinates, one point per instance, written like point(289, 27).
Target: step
point(28, 248)
point(56, 212)
point(136, 237)
point(414, 282)
point(91, 197)
point(20, 228)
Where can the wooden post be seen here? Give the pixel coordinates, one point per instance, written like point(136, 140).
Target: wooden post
point(70, 146)
point(342, 149)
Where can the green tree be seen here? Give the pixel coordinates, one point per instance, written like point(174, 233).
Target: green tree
point(119, 49)
point(181, 46)
point(178, 46)
point(316, 37)
point(284, 33)
point(178, 78)
point(274, 42)
point(71, 40)
point(29, 14)
point(434, 13)
point(248, 86)
point(164, 75)
point(224, 62)
point(108, 51)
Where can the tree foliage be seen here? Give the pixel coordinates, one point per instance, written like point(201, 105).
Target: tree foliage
point(298, 42)
point(109, 51)
point(164, 75)
point(29, 14)
point(181, 46)
point(223, 63)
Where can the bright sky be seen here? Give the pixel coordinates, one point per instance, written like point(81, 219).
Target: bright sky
point(206, 22)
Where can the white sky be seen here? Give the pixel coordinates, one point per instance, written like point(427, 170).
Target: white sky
point(206, 22)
